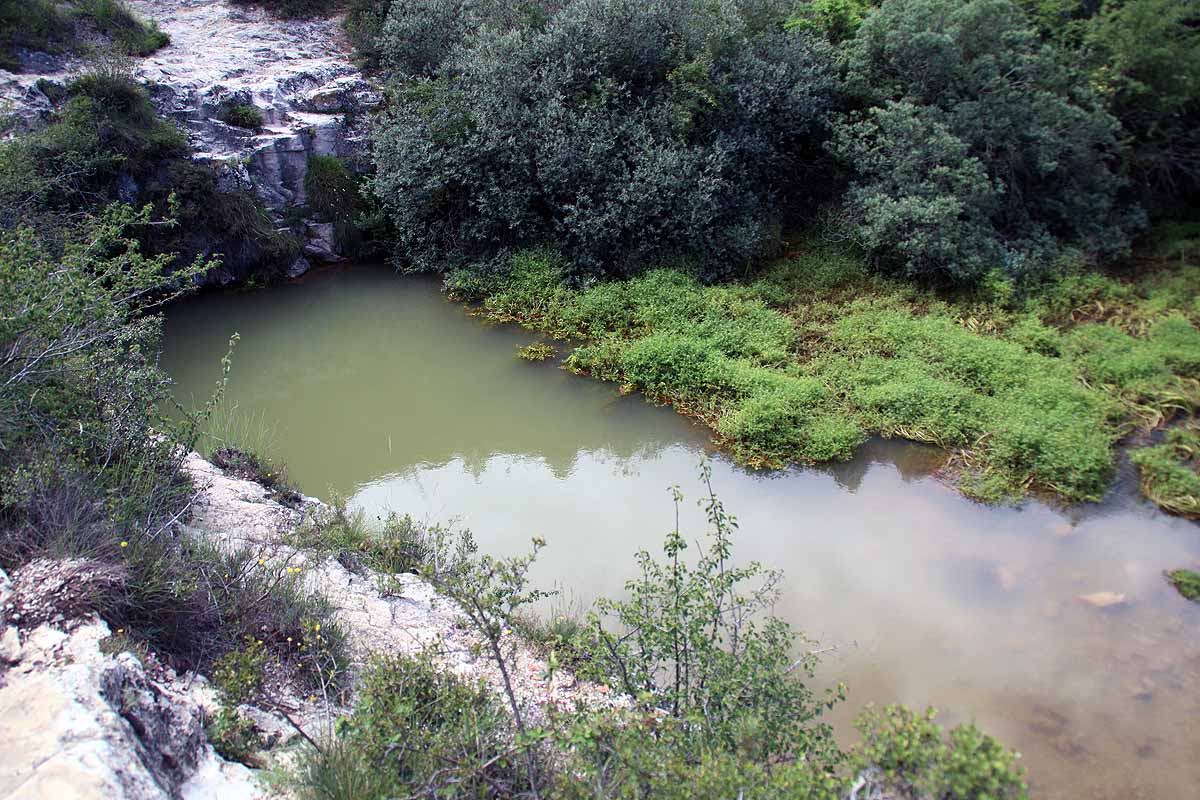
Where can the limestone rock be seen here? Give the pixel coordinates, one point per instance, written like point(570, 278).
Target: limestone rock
point(79, 724)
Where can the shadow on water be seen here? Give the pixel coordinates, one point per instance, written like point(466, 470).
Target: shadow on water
point(382, 391)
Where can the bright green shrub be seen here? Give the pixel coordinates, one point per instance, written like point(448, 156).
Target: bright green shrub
point(836, 20)
point(670, 365)
point(1177, 341)
point(1186, 582)
point(1170, 472)
point(792, 421)
point(913, 753)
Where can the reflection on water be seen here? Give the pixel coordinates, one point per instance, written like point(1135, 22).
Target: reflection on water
point(384, 392)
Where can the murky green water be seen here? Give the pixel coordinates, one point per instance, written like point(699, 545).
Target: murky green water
point(380, 390)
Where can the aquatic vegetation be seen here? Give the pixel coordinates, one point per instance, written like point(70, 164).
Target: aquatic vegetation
point(804, 360)
point(1170, 472)
point(538, 351)
point(1186, 582)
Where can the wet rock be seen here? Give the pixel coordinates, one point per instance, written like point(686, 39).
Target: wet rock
point(300, 266)
point(1063, 529)
point(1104, 599)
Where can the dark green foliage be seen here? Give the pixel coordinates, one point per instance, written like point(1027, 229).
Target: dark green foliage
point(1186, 582)
point(68, 25)
point(1146, 57)
point(981, 150)
point(241, 116)
point(364, 24)
point(915, 755)
point(336, 195)
point(626, 133)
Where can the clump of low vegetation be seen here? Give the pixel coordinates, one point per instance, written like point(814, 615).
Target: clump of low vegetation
point(538, 351)
point(238, 678)
point(67, 26)
point(389, 545)
point(1170, 472)
point(241, 115)
point(1186, 582)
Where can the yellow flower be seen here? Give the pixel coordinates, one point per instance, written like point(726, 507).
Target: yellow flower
point(289, 638)
point(120, 630)
point(317, 627)
point(124, 544)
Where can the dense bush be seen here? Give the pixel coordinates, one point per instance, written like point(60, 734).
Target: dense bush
point(1146, 57)
point(623, 133)
point(980, 149)
point(337, 195)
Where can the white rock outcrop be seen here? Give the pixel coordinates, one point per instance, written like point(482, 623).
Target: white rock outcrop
point(77, 724)
point(297, 73)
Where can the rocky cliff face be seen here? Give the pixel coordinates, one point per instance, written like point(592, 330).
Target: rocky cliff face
point(297, 74)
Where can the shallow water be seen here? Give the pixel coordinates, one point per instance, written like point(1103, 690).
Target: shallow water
point(378, 389)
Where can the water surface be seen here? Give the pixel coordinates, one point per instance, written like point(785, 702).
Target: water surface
point(379, 390)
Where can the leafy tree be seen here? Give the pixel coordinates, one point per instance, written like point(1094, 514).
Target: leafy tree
point(836, 20)
point(979, 149)
point(623, 132)
point(1146, 54)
